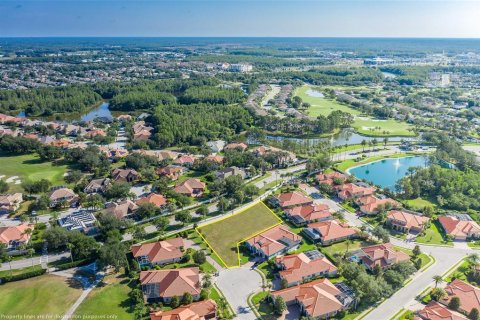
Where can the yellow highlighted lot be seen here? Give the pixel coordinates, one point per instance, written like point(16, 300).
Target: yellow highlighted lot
point(224, 236)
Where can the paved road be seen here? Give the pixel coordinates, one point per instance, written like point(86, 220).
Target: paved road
point(237, 284)
point(18, 264)
point(445, 259)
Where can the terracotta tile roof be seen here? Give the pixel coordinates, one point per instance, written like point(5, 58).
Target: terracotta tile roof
point(194, 311)
point(370, 204)
point(383, 255)
point(298, 266)
point(15, 233)
point(435, 311)
point(349, 190)
point(173, 282)
point(468, 294)
point(218, 159)
point(236, 145)
point(274, 240)
point(328, 178)
point(318, 297)
point(185, 159)
point(154, 198)
point(293, 199)
point(406, 219)
point(121, 209)
point(459, 228)
point(61, 193)
point(188, 186)
point(159, 251)
point(333, 229)
point(311, 212)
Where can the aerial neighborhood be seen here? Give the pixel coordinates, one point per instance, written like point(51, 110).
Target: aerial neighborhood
point(198, 179)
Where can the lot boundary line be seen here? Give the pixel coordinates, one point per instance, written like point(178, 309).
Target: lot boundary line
point(280, 221)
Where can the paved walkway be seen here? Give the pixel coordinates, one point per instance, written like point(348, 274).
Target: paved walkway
point(80, 299)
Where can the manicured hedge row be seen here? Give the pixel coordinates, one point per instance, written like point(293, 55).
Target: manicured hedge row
point(23, 276)
point(68, 265)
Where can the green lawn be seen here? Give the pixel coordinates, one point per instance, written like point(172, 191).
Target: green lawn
point(47, 294)
point(424, 257)
point(375, 127)
point(363, 124)
point(15, 272)
point(109, 298)
point(30, 167)
point(341, 247)
point(433, 235)
point(224, 235)
point(419, 203)
point(321, 106)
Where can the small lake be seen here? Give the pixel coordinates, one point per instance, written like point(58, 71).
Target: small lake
point(385, 173)
point(102, 111)
point(314, 93)
point(344, 137)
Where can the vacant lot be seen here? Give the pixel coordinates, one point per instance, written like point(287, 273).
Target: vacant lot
point(42, 295)
point(109, 298)
point(29, 167)
point(224, 235)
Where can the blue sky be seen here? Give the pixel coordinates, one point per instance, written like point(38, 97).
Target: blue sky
point(310, 18)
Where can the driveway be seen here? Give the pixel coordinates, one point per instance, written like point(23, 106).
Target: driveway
point(237, 284)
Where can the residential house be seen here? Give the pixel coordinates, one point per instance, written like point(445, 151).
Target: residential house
point(62, 195)
point(292, 199)
point(382, 255)
point(185, 160)
point(328, 232)
point(319, 299)
point(231, 171)
point(216, 146)
point(351, 190)
point(154, 198)
point(125, 175)
point(191, 187)
point(304, 266)
point(371, 204)
point(459, 229)
point(215, 158)
point(171, 172)
point(159, 253)
point(330, 178)
point(275, 241)
point(10, 202)
point(286, 157)
point(301, 215)
point(14, 236)
point(97, 185)
point(468, 294)
point(93, 133)
point(121, 210)
point(83, 221)
point(403, 221)
point(435, 311)
point(236, 146)
point(201, 310)
point(167, 283)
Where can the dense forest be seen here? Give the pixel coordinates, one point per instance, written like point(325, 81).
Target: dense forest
point(47, 101)
point(197, 123)
point(452, 189)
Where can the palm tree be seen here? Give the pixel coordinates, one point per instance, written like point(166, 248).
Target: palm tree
point(9, 259)
point(385, 141)
point(348, 242)
point(438, 279)
point(70, 247)
point(30, 253)
point(364, 143)
point(473, 259)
